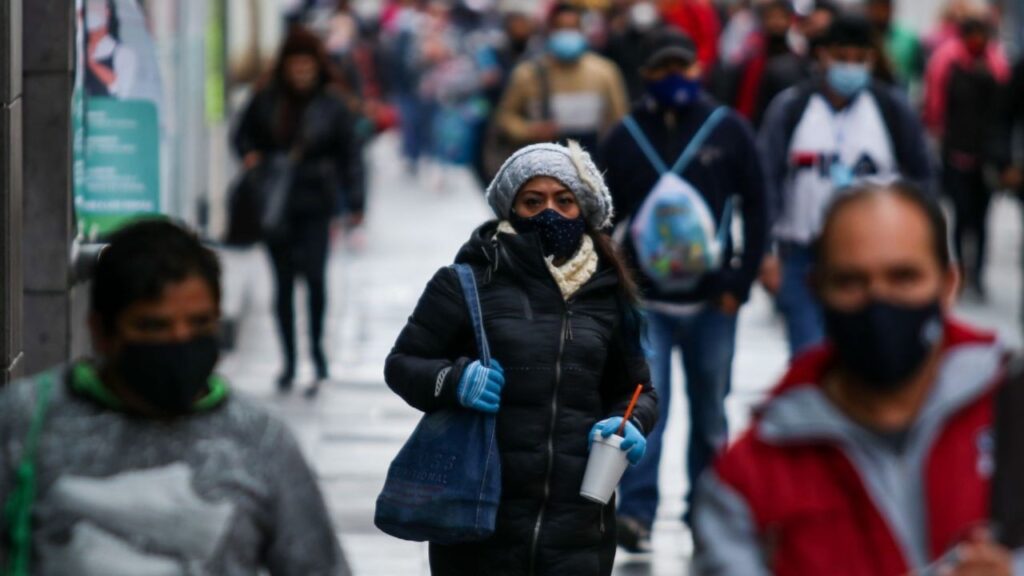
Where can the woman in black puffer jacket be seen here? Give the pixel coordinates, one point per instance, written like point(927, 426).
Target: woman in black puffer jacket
point(301, 112)
point(558, 311)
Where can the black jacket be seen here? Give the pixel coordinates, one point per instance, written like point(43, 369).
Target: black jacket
point(972, 101)
point(1008, 128)
point(330, 169)
point(567, 366)
point(726, 166)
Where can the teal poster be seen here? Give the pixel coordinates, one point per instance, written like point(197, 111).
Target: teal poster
point(122, 167)
point(116, 113)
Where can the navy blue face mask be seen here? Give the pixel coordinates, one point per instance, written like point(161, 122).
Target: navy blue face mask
point(674, 91)
point(559, 236)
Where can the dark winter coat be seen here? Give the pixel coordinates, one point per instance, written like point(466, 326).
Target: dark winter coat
point(329, 174)
point(568, 365)
point(1008, 128)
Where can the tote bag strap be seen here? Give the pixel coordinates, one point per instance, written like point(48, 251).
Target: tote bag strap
point(476, 316)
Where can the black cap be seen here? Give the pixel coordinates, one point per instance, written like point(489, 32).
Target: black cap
point(666, 45)
point(850, 30)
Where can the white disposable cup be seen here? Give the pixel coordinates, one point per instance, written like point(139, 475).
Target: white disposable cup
point(605, 466)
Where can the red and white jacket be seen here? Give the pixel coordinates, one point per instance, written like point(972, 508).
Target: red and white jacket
point(807, 491)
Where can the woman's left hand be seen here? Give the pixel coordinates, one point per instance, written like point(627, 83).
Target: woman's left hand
point(633, 444)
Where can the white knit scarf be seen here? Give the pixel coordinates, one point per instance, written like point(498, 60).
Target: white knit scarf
point(574, 272)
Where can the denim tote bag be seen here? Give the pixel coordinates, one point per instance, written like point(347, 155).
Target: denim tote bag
point(444, 486)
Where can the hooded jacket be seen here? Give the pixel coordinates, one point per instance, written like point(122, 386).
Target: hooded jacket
point(568, 364)
point(808, 491)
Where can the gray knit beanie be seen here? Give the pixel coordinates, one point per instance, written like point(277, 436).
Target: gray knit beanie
point(570, 165)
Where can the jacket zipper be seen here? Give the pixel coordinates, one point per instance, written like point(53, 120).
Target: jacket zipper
point(565, 336)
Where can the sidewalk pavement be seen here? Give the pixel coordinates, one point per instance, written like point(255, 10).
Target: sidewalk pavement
point(353, 429)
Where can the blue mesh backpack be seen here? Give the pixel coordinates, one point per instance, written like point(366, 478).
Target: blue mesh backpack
point(674, 233)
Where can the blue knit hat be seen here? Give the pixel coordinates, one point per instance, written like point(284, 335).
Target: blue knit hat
point(570, 165)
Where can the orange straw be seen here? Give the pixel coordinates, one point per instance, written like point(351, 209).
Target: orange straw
point(629, 410)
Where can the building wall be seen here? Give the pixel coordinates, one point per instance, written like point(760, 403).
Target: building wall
point(11, 115)
point(48, 225)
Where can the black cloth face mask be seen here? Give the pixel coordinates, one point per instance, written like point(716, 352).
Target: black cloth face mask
point(169, 376)
point(883, 344)
point(559, 236)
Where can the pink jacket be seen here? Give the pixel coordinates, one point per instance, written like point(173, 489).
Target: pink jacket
point(940, 69)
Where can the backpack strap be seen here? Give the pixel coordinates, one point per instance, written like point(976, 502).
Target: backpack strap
point(645, 145)
point(795, 110)
point(725, 226)
point(18, 506)
point(888, 107)
point(476, 316)
point(691, 150)
point(712, 122)
point(544, 81)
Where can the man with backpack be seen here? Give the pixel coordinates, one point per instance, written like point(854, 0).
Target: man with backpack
point(141, 460)
point(678, 168)
point(819, 138)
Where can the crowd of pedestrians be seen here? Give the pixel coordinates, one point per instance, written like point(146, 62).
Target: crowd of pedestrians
point(647, 162)
point(469, 83)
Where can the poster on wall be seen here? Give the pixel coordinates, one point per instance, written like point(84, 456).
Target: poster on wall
point(116, 112)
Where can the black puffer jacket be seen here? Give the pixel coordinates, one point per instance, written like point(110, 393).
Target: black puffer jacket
point(330, 166)
point(567, 366)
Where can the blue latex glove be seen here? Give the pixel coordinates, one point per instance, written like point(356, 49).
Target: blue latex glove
point(634, 443)
point(480, 387)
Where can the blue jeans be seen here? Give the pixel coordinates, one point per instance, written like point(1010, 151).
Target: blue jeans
point(414, 121)
point(707, 340)
point(805, 323)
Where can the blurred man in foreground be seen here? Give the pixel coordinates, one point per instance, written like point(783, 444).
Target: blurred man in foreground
point(875, 454)
point(140, 460)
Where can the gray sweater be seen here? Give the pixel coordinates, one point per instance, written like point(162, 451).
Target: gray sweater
point(222, 492)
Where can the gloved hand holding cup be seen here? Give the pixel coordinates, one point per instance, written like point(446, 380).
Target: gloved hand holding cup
point(615, 443)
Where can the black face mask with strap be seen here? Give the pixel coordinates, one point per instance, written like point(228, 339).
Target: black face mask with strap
point(883, 344)
point(169, 376)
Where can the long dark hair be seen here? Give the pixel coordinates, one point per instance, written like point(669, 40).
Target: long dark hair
point(634, 328)
point(611, 254)
point(300, 42)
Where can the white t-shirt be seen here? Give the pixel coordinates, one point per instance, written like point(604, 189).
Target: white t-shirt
point(831, 149)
